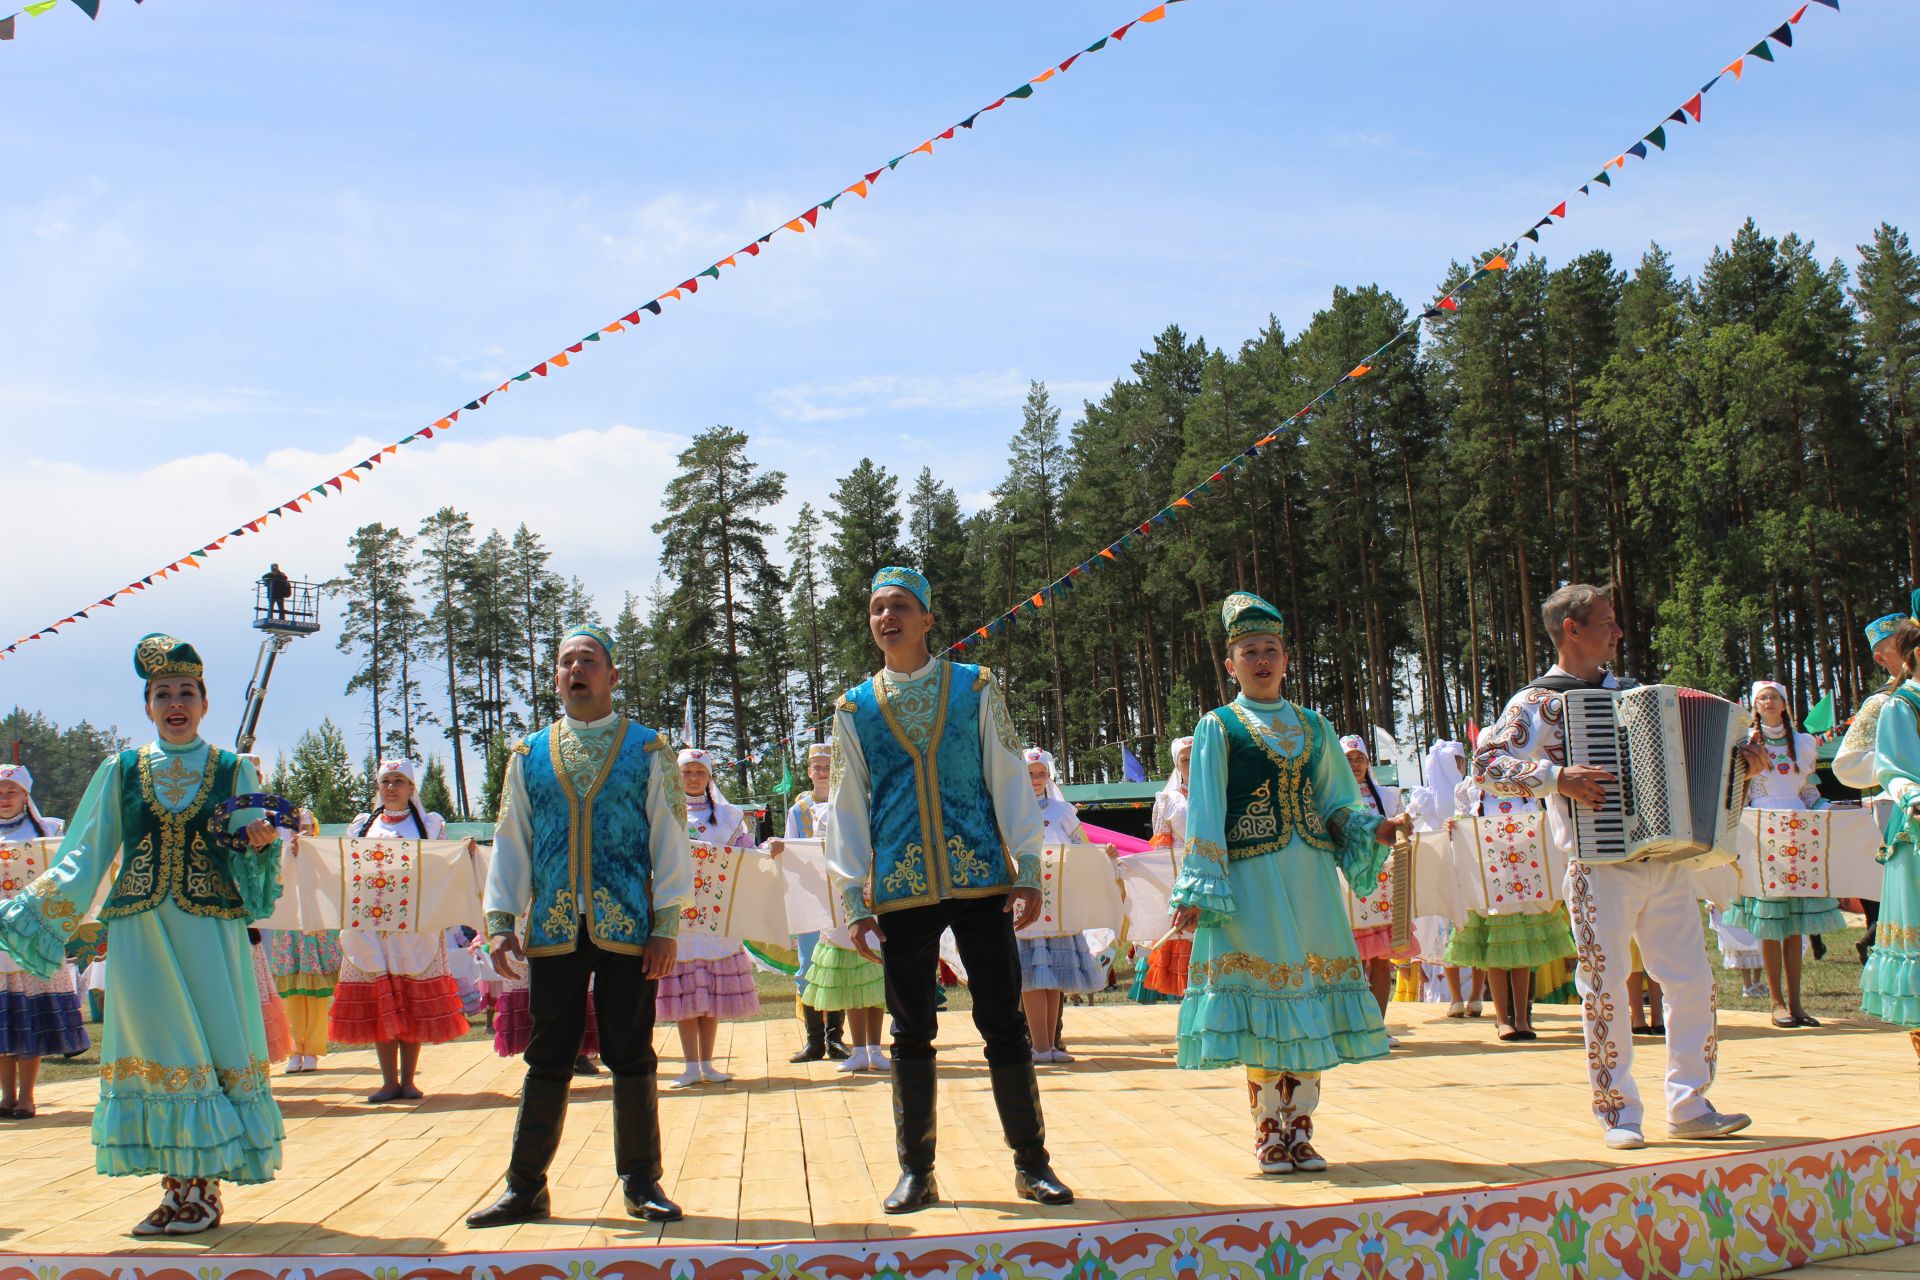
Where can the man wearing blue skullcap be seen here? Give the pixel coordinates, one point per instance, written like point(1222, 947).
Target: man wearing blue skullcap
point(591, 847)
point(933, 827)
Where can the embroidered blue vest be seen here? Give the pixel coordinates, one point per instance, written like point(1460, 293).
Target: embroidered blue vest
point(592, 852)
point(935, 835)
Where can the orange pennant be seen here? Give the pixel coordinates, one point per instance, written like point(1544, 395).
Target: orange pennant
point(615, 327)
point(392, 448)
point(927, 146)
point(559, 362)
point(1361, 371)
point(1107, 552)
point(1039, 601)
point(1498, 262)
point(726, 262)
point(1181, 502)
point(672, 293)
point(859, 188)
point(352, 473)
point(797, 225)
point(443, 423)
point(1044, 76)
point(1153, 15)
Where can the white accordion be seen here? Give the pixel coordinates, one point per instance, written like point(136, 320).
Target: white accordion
point(1681, 784)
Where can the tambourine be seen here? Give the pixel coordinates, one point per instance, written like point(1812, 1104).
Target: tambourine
point(279, 811)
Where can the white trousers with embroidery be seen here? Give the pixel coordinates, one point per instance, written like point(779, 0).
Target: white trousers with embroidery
point(1653, 903)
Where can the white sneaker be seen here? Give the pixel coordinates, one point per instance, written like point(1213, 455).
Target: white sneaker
point(713, 1074)
point(877, 1059)
point(1393, 1041)
point(855, 1061)
point(689, 1078)
point(1625, 1137)
point(1711, 1124)
point(1059, 1055)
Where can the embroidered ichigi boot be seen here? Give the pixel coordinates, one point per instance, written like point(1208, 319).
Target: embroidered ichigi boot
point(1271, 1130)
point(155, 1223)
point(199, 1207)
point(1305, 1096)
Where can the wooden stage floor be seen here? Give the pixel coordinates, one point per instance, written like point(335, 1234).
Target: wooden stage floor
point(803, 1153)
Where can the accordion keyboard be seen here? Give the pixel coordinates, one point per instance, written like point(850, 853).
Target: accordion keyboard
point(1593, 738)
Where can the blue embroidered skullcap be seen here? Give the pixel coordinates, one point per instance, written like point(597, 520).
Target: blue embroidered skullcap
point(1880, 628)
point(910, 580)
point(1246, 614)
point(159, 656)
point(594, 632)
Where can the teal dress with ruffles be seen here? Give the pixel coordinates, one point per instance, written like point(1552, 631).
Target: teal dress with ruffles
point(183, 1057)
point(1274, 815)
point(1890, 982)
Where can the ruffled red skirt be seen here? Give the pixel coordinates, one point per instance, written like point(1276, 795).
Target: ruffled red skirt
point(412, 1010)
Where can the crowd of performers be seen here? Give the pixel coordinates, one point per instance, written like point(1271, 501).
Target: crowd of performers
point(933, 815)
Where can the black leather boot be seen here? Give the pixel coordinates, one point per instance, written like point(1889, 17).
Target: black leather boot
point(913, 1135)
point(816, 1046)
point(1016, 1094)
point(836, 1043)
point(536, 1137)
point(636, 1148)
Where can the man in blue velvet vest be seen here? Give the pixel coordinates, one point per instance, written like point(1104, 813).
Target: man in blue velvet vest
point(934, 827)
point(591, 847)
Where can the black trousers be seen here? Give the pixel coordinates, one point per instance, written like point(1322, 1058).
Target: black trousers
point(557, 1003)
point(983, 930)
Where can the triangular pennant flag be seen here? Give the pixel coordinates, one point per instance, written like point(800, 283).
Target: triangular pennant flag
point(1658, 137)
point(1024, 91)
point(991, 106)
point(353, 475)
point(1762, 51)
point(1709, 84)
point(1798, 14)
point(797, 225)
point(968, 122)
point(1736, 66)
point(575, 348)
point(1153, 15)
point(1449, 303)
point(1783, 33)
point(632, 317)
point(859, 188)
point(616, 327)
point(1678, 116)
point(1121, 33)
point(653, 306)
point(1533, 233)
point(89, 7)
point(1544, 222)
point(1602, 178)
point(1558, 211)
point(873, 177)
point(335, 482)
point(812, 215)
point(541, 368)
point(1692, 106)
point(1181, 502)
point(1107, 552)
point(713, 271)
point(1359, 371)
point(948, 135)
point(726, 262)
point(1069, 62)
point(40, 7)
point(518, 377)
point(443, 423)
point(1096, 46)
point(6, 26)
point(1498, 262)
point(1638, 149)
point(558, 361)
point(1045, 76)
point(691, 286)
point(671, 293)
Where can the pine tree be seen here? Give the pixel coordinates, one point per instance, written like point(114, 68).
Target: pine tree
point(806, 622)
point(533, 588)
point(379, 624)
point(320, 776)
point(446, 553)
point(866, 537)
point(434, 795)
point(62, 761)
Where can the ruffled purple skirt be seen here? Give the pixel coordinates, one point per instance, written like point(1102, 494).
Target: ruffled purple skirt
point(708, 989)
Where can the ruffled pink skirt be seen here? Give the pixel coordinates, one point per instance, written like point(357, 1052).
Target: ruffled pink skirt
point(1375, 943)
point(513, 1024)
point(708, 989)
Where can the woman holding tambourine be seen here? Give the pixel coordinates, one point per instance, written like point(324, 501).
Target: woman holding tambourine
point(183, 1058)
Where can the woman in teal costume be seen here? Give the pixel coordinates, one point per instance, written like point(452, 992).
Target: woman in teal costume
point(1275, 983)
point(1890, 982)
point(183, 1063)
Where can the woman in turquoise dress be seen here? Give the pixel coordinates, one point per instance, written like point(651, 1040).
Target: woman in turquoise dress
point(1890, 982)
point(183, 1060)
point(1275, 983)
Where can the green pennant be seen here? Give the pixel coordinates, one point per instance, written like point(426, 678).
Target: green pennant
point(1761, 51)
point(1096, 46)
point(1531, 235)
point(1658, 137)
point(828, 202)
point(592, 337)
point(1819, 716)
point(713, 271)
point(786, 775)
point(1602, 178)
point(1024, 91)
point(520, 377)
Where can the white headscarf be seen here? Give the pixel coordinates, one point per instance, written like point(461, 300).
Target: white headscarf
point(1034, 755)
point(1433, 804)
point(18, 773)
point(726, 814)
point(402, 768)
point(1753, 700)
point(1173, 785)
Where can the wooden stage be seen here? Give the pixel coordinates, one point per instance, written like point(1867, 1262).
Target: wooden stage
point(803, 1153)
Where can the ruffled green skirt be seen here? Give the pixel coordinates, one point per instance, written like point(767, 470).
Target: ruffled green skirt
point(1777, 919)
point(1512, 940)
point(1890, 984)
point(841, 978)
point(1278, 984)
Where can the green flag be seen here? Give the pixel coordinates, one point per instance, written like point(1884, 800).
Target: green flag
point(1820, 717)
point(786, 776)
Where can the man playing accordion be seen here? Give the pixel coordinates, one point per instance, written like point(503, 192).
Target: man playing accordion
point(1615, 903)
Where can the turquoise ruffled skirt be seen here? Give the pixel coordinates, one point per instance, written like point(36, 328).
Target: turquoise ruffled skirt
point(1890, 984)
point(183, 1059)
point(1278, 984)
point(1777, 919)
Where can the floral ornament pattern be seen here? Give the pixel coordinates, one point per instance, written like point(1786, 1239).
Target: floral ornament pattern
point(1793, 853)
point(20, 863)
point(1741, 1213)
point(382, 882)
point(1512, 862)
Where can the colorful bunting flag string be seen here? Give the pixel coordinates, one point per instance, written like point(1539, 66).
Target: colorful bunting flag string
point(9, 25)
point(1501, 259)
point(798, 225)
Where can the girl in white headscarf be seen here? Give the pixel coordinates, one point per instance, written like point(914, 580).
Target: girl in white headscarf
point(1434, 807)
point(1162, 974)
point(395, 992)
point(1779, 923)
point(712, 978)
point(38, 1016)
point(1367, 909)
point(1050, 967)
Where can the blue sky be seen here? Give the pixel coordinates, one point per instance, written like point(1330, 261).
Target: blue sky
point(240, 243)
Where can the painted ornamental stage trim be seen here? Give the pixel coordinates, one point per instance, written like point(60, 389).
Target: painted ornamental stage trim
point(1745, 1214)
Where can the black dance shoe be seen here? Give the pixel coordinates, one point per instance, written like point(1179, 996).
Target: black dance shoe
point(1041, 1186)
point(647, 1199)
point(913, 1191)
point(512, 1206)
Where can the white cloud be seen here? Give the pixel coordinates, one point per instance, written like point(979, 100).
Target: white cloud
point(880, 393)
